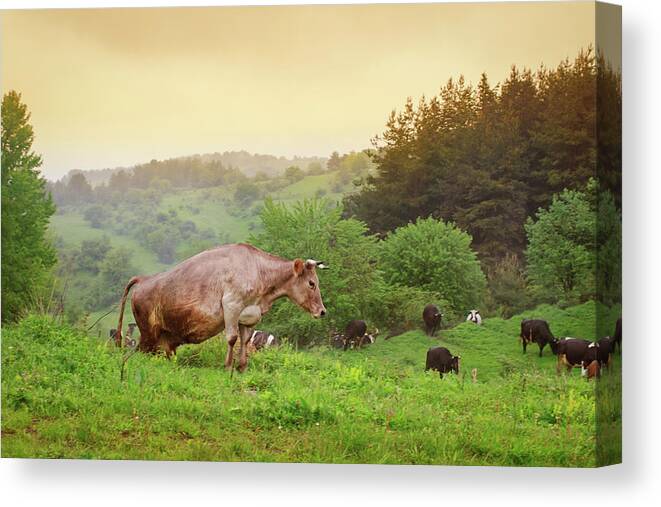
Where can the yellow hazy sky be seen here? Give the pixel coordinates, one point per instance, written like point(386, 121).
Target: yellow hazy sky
point(115, 87)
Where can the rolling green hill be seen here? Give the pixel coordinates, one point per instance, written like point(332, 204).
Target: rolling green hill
point(375, 405)
point(208, 208)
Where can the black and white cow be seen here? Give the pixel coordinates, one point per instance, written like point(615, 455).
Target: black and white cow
point(575, 353)
point(475, 317)
point(263, 340)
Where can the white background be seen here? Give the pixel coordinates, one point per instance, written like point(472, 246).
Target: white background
point(636, 482)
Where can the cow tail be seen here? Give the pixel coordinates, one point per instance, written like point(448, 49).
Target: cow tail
point(118, 333)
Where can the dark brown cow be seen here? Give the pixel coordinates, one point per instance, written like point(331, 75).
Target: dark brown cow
point(539, 332)
point(572, 352)
point(432, 317)
point(354, 332)
point(605, 351)
point(229, 287)
point(441, 360)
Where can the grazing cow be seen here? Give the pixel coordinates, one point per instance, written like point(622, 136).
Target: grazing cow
point(369, 338)
point(617, 335)
point(441, 360)
point(263, 340)
point(130, 341)
point(229, 287)
point(337, 341)
point(474, 316)
point(354, 332)
point(431, 316)
point(572, 352)
point(539, 332)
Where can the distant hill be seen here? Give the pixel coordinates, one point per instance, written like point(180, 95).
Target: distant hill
point(248, 163)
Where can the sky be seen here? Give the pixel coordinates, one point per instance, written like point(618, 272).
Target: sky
point(116, 87)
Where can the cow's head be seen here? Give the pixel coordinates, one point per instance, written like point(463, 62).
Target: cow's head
point(554, 346)
point(304, 290)
point(454, 364)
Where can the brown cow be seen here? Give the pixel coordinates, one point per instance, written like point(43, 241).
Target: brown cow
point(229, 287)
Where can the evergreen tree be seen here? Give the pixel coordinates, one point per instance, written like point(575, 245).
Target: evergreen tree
point(27, 254)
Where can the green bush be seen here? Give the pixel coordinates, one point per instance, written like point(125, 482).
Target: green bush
point(315, 229)
point(574, 243)
point(398, 308)
point(435, 256)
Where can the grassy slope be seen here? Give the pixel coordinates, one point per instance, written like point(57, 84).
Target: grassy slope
point(73, 229)
point(62, 397)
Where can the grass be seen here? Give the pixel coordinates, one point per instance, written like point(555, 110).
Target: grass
point(62, 398)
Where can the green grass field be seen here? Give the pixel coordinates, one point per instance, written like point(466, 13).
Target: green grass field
point(62, 398)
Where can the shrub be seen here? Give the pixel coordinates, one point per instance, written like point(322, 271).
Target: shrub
point(574, 242)
point(435, 256)
point(315, 229)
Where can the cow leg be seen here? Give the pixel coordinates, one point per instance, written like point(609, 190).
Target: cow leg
point(245, 333)
point(229, 357)
point(232, 312)
point(541, 348)
point(525, 344)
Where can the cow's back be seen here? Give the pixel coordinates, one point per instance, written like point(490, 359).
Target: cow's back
point(187, 299)
point(438, 358)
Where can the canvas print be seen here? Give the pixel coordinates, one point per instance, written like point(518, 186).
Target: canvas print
point(373, 234)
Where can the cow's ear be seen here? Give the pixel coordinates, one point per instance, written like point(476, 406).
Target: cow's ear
point(299, 266)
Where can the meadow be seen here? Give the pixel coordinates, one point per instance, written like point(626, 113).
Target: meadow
point(62, 397)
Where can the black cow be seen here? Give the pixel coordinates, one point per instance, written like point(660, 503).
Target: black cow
point(431, 316)
point(573, 352)
point(539, 332)
point(441, 360)
point(111, 334)
point(263, 340)
point(354, 333)
point(617, 335)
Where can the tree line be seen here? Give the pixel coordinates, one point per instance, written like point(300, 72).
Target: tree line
point(488, 157)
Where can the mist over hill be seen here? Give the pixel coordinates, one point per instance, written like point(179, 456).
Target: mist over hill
point(248, 163)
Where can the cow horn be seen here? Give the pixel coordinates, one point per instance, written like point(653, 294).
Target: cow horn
point(319, 264)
